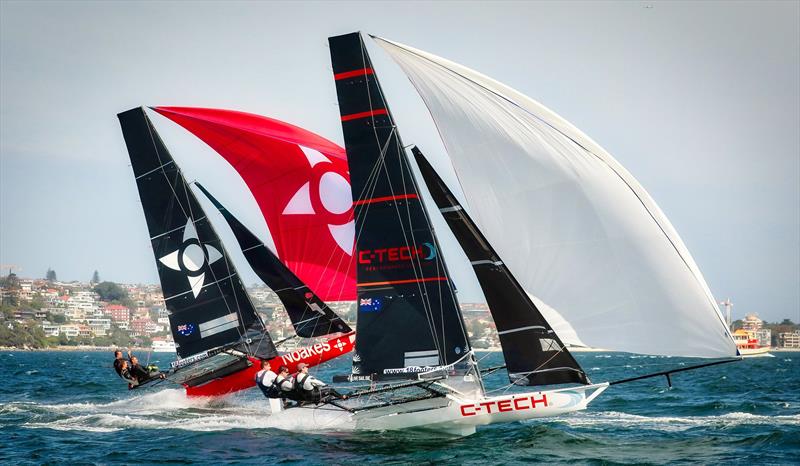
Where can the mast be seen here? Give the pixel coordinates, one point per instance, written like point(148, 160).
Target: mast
point(207, 302)
point(534, 353)
point(727, 304)
point(310, 316)
point(408, 316)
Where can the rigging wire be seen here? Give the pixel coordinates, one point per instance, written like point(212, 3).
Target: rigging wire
point(190, 216)
point(416, 265)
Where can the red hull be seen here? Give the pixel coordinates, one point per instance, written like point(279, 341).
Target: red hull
point(312, 355)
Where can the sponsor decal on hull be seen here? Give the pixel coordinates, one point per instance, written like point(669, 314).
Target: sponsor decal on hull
point(305, 353)
point(519, 403)
point(245, 379)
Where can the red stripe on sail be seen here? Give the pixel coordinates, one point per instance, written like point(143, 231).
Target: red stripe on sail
point(350, 74)
point(385, 198)
point(355, 116)
point(400, 282)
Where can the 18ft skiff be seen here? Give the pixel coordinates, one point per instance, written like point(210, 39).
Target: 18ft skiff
point(556, 220)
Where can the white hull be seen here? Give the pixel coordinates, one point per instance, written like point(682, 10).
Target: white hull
point(455, 414)
point(755, 352)
point(164, 348)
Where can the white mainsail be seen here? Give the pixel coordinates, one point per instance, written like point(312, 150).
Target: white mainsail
point(575, 228)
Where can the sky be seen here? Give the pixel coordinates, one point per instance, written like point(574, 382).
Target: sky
point(700, 101)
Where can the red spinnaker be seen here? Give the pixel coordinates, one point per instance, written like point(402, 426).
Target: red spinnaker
point(302, 185)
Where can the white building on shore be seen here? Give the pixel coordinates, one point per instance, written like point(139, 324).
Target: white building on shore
point(70, 330)
point(50, 330)
point(752, 323)
point(789, 339)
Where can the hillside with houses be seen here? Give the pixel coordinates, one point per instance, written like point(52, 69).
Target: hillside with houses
point(41, 313)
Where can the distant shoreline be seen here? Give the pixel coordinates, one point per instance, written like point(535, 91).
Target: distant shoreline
point(75, 348)
point(147, 350)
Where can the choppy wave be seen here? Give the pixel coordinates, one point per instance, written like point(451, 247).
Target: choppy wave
point(747, 412)
point(172, 409)
point(675, 423)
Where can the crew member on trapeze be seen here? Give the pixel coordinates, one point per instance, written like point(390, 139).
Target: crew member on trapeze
point(118, 360)
point(132, 372)
point(277, 386)
point(265, 379)
point(312, 389)
point(125, 373)
point(284, 382)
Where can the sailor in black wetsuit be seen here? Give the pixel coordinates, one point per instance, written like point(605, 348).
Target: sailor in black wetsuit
point(143, 374)
point(138, 371)
point(123, 370)
point(118, 359)
point(125, 373)
point(312, 389)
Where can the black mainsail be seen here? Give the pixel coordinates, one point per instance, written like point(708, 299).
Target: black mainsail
point(534, 353)
point(310, 316)
point(408, 316)
point(208, 305)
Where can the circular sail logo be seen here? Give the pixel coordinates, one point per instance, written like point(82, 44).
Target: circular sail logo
point(191, 258)
point(326, 195)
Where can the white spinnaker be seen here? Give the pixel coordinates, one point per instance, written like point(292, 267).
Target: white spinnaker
point(563, 329)
point(575, 228)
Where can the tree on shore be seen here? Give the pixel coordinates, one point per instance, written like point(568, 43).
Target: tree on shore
point(51, 275)
point(23, 335)
point(56, 318)
point(111, 292)
point(10, 286)
point(120, 337)
point(95, 277)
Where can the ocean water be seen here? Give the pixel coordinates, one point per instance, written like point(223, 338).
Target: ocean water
point(71, 408)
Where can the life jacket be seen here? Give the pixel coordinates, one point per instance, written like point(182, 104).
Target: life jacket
point(118, 366)
point(271, 391)
point(312, 395)
point(298, 383)
point(280, 384)
point(126, 376)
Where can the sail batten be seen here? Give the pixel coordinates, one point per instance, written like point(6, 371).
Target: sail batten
point(575, 228)
point(534, 353)
point(207, 302)
point(408, 317)
point(310, 316)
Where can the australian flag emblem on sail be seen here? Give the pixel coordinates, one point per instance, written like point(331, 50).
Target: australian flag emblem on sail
point(185, 329)
point(369, 304)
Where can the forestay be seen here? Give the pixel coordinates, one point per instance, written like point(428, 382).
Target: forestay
point(575, 228)
point(310, 316)
point(534, 353)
